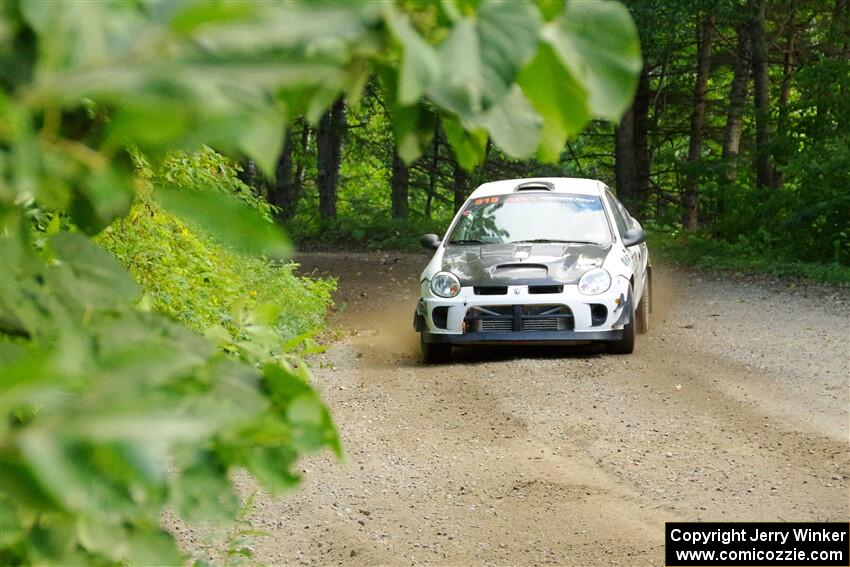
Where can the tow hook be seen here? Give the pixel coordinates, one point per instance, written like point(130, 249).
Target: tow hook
point(620, 301)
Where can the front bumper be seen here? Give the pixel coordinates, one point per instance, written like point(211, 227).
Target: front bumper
point(523, 316)
point(523, 337)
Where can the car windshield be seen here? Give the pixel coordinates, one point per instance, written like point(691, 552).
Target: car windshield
point(558, 217)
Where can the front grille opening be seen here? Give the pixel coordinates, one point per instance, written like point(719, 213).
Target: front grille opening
point(490, 290)
point(544, 325)
point(507, 318)
point(494, 325)
point(440, 316)
point(545, 289)
point(598, 314)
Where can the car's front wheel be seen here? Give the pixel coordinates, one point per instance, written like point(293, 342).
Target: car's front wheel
point(434, 353)
point(642, 312)
point(626, 345)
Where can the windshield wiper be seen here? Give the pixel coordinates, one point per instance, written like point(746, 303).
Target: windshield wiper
point(469, 241)
point(553, 241)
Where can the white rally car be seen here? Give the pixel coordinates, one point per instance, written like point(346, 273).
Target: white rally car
point(550, 260)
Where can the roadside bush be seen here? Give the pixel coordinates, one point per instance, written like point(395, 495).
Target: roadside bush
point(752, 253)
point(193, 278)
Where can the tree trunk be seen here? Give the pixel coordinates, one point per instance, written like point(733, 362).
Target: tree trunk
point(631, 153)
point(432, 178)
point(737, 101)
point(306, 134)
point(643, 163)
point(399, 184)
point(281, 193)
point(761, 82)
point(289, 173)
point(625, 172)
point(329, 157)
point(690, 198)
point(781, 157)
point(459, 181)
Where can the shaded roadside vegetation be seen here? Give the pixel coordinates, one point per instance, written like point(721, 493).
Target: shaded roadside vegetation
point(190, 276)
point(745, 255)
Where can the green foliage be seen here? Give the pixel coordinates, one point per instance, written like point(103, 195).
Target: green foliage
point(101, 398)
point(196, 279)
point(746, 254)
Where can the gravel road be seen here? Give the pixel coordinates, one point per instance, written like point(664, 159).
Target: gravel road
point(733, 407)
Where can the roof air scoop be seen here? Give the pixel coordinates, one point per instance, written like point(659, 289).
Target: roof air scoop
point(534, 186)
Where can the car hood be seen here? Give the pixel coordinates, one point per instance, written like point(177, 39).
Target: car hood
point(522, 264)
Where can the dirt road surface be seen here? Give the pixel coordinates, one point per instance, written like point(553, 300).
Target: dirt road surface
point(734, 407)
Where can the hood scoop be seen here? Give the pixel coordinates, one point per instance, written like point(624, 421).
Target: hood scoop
point(521, 271)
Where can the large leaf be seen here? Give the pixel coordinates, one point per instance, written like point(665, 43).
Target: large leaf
point(508, 36)
point(261, 137)
point(101, 197)
point(77, 34)
point(413, 126)
point(481, 57)
point(461, 80)
point(558, 97)
point(598, 42)
point(419, 64)
point(287, 24)
point(469, 144)
point(514, 125)
point(99, 276)
point(201, 490)
point(226, 219)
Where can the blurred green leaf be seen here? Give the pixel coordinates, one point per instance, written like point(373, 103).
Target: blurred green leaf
point(11, 530)
point(103, 538)
point(226, 219)
point(152, 546)
point(413, 126)
point(271, 467)
point(513, 124)
point(419, 65)
point(507, 38)
point(100, 197)
point(261, 137)
point(558, 97)
point(550, 9)
point(195, 15)
point(460, 83)
point(598, 42)
point(201, 491)
point(99, 275)
point(469, 145)
point(481, 58)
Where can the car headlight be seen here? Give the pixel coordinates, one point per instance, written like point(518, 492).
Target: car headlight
point(445, 284)
point(594, 281)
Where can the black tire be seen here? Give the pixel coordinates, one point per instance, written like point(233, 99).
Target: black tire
point(626, 345)
point(434, 353)
point(642, 311)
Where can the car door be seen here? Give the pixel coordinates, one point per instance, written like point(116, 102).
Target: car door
point(637, 254)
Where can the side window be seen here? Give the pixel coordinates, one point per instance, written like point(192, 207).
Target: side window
point(620, 217)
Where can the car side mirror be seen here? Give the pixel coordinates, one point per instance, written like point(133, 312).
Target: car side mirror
point(634, 236)
point(430, 241)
